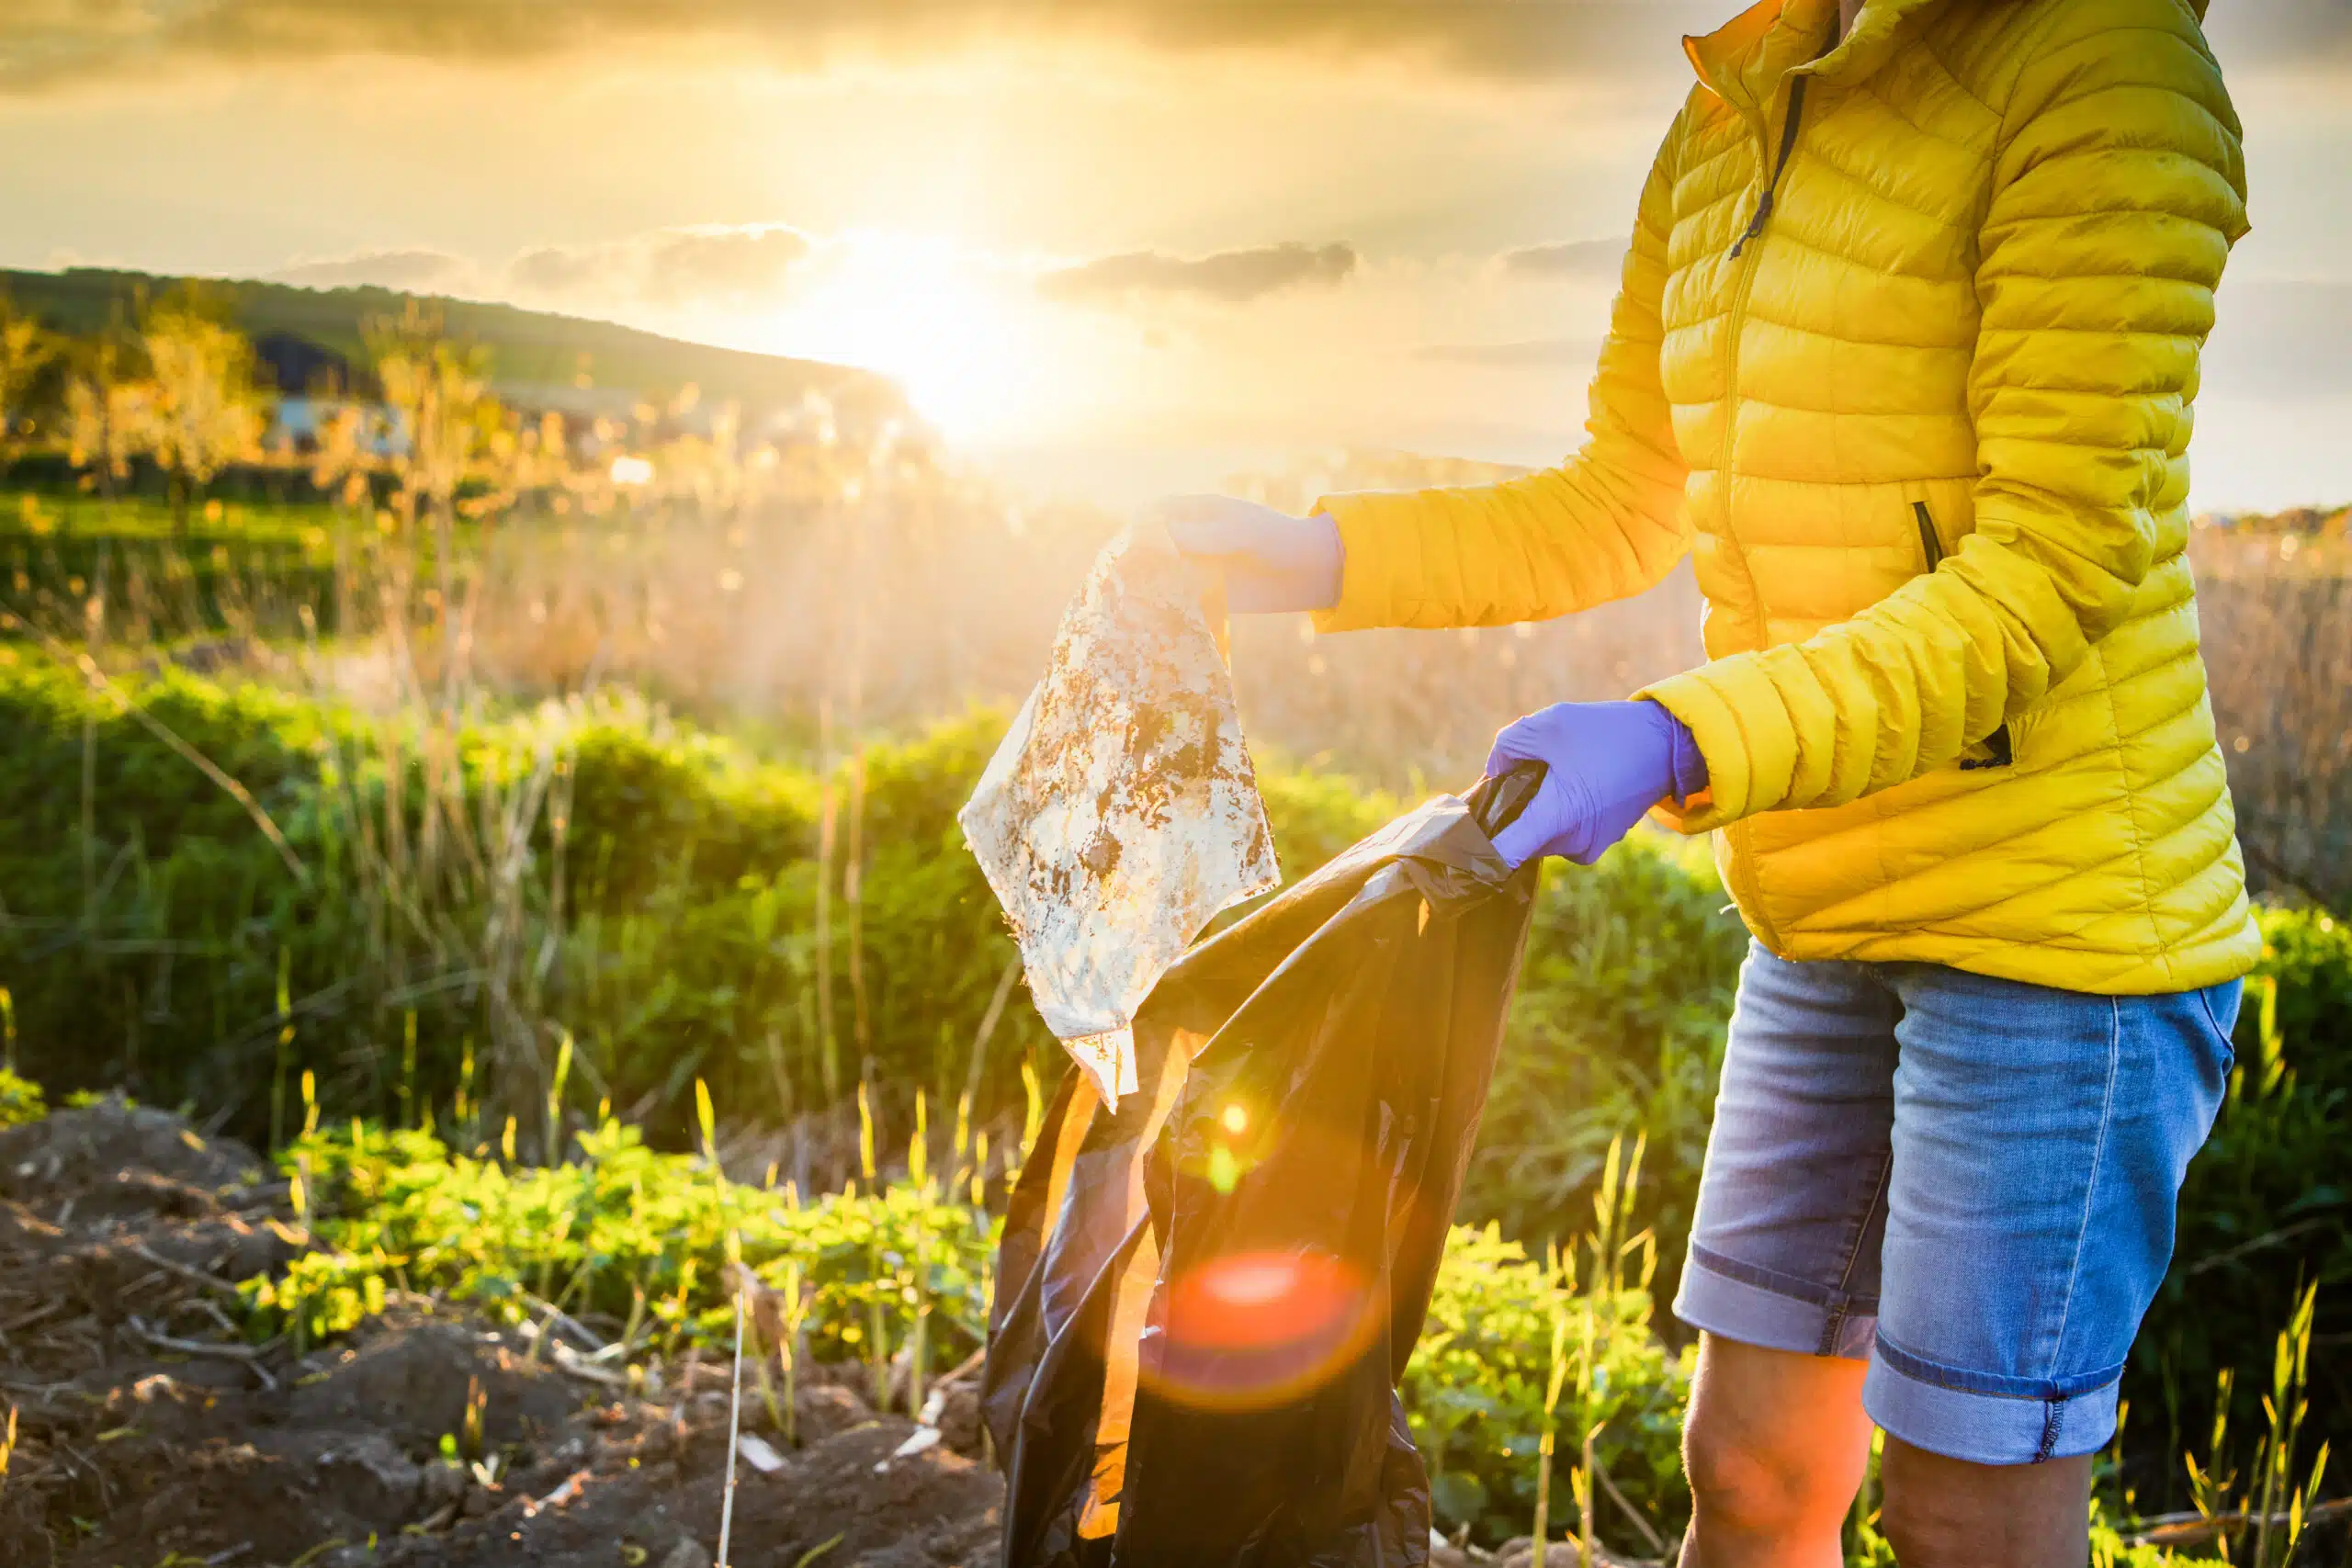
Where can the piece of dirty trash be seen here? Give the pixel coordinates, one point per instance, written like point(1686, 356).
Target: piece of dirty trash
point(1121, 814)
point(920, 1439)
point(758, 1453)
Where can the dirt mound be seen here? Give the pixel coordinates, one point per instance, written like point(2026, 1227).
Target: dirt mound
point(116, 1155)
point(146, 1427)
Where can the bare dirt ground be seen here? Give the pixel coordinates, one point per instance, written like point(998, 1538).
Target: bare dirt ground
point(148, 1432)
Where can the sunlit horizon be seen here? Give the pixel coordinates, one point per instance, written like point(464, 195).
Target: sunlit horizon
point(1114, 249)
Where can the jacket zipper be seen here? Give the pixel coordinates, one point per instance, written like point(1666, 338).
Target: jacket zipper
point(1997, 744)
point(1749, 896)
point(1755, 229)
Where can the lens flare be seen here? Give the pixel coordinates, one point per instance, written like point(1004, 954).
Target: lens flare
point(1235, 1118)
point(1261, 1328)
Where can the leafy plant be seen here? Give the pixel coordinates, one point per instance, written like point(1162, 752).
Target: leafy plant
point(619, 1226)
point(2266, 1213)
point(1480, 1390)
point(20, 1100)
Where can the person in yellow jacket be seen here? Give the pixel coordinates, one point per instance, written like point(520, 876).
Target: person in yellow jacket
point(1903, 358)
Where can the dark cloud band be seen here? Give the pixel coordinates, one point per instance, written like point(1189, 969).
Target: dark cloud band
point(1581, 260)
point(415, 270)
point(1229, 277)
point(48, 40)
point(1590, 41)
point(670, 266)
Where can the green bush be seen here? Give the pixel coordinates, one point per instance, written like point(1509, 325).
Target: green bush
point(149, 931)
point(20, 1100)
point(1617, 1033)
point(1475, 1393)
point(627, 1234)
point(2267, 1210)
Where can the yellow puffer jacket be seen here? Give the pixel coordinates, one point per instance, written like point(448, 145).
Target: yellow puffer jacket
point(1905, 353)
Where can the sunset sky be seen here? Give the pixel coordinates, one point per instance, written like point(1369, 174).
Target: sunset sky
point(1131, 243)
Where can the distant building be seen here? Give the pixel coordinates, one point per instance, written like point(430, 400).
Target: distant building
point(298, 368)
point(314, 385)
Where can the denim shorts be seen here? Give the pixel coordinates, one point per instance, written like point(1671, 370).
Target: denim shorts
point(1968, 1183)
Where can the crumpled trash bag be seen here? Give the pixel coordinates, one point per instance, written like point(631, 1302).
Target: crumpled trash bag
point(1206, 1294)
point(1121, 813)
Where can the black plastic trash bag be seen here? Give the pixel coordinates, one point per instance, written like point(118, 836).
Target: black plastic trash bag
point(1205, 1296)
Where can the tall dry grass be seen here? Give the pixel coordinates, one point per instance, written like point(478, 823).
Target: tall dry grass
point(823, 591)
point(2276, 608)
point(885, 588)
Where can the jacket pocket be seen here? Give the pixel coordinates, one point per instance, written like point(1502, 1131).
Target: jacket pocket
point(2000, 749)
point(1932, 544)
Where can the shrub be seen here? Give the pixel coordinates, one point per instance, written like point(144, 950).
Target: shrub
point(2267, 1210)
point(1617, 1033)
point(1475, 1393)
point(626, 1233)
point(20, 1100)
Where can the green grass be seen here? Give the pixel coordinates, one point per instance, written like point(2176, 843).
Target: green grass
point(30, 516)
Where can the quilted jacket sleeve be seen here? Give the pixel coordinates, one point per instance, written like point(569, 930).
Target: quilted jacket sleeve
point(1606, 523)
point(2118, 190)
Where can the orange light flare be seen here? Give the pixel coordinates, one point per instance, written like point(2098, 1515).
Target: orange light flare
point(1261, 1328)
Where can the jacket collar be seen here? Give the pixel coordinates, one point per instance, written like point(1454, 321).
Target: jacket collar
point(1743, 61)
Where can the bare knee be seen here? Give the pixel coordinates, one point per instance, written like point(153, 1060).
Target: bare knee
point(1775, 1443)
point(1743, 1481)
point(1947, 1513)
point(1925, 1523)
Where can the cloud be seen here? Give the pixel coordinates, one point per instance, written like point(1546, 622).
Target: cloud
point(1229, 277)
point(558, 269)
point(1580, 261)
point(419, 271)
point(725, 264)
point(48, 40)
point(670, 266)
point(1551, 352)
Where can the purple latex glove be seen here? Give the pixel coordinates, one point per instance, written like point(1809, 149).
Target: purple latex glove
point(1607, 764)
point(1272, 561)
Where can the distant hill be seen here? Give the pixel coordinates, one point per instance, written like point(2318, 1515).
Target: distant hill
point(538, 357)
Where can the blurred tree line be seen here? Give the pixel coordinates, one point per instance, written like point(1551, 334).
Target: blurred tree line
point(172, 381)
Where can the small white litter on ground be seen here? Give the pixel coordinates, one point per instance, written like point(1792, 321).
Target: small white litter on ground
point(758, 1454)
point(922, 1438)
point(1121, 814)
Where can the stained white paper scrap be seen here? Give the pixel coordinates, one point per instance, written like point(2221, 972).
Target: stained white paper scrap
point(1121, 814)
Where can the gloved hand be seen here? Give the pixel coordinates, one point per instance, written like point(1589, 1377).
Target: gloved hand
point(1607, 764)
point(1271, 560)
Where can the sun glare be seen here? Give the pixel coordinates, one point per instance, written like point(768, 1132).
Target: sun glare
point(960, 336)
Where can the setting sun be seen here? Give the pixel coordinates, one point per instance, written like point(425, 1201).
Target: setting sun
point(933, 317)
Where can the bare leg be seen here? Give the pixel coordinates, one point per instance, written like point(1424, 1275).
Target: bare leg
point(1775, 1445)
point(1948, 1512)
